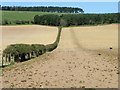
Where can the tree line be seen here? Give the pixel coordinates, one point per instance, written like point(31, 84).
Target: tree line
point(76, 19)
point(43, 9)
point(23, 52)
point(48, 19)
point(69, 19)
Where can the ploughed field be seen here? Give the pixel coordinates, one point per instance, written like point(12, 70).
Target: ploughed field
point(86, 57)
point(28, 34)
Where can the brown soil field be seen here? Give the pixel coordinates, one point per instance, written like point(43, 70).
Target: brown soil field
point(83, 58)
point(28, 34)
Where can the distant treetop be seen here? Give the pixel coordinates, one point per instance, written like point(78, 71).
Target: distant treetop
point(43, 9)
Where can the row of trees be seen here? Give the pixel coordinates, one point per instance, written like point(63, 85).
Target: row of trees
point(23, 52)
point(76, 19)
point(44, 9)
point(48, 19)
point(69, 19)
point(89, 19)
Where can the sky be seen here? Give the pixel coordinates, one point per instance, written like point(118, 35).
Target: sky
point(60, 0)
point(88, 7)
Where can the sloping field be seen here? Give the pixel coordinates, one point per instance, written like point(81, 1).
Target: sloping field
point(83, 59)
point(91, 37)
point(28, 34)
point(13, 16)
point(20, 15)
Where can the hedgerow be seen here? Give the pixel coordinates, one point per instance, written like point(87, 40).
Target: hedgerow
point(23, 52)
point(51, 47)
point(76, 19)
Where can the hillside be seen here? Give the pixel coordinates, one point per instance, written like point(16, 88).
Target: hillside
point(13, 16)
point(67, 19)
point(29, 34)
point(83, 59)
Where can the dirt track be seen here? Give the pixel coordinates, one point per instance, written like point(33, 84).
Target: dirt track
point(82, 59)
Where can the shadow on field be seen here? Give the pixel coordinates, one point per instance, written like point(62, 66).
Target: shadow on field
point(75, 39)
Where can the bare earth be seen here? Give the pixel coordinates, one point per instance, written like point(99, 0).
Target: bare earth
point(34, 34)
point(83, 58)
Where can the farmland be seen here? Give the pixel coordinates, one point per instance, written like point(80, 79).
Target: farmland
point(86, 57)
point(28, 34)
point(58, 47)
point(27, 17)
point(14, 52)
point(21, 15)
